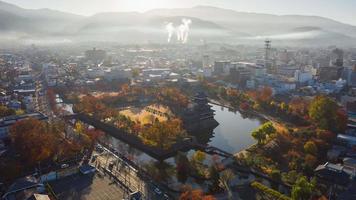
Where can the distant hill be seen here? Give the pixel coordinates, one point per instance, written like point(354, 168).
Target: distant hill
point(209, 23)
point(14, 18)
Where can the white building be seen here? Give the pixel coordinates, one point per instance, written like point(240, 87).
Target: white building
point(303, 77)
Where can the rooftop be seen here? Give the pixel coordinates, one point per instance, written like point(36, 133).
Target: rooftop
point(93, 186)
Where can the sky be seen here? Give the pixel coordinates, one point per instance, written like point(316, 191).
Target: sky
point(340, 10)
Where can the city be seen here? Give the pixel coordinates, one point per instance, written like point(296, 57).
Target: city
point(174, 103)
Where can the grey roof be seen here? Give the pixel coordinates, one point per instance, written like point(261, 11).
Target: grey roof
point(349, 161)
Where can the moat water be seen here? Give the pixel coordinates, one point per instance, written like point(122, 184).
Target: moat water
point(234, 131)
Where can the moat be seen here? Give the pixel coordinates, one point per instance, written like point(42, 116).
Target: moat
point(234, 131)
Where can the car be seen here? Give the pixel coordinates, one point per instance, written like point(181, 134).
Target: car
point(63, 166)
point(165, 197)
point(158, 191)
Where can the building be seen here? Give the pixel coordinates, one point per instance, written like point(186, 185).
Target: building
point(240, 76)
point(303, 77)
point(199, 114)
point(221, 68)
point(346, 140)
point(327, 74)
point(7, 122)
point(333, 174)
point(206, 61)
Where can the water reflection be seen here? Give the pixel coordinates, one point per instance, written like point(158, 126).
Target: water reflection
point(234, 131)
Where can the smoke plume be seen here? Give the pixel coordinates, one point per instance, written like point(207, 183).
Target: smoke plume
point(170, 29)
point(182, 31)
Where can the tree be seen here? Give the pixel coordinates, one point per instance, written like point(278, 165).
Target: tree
point(326, 135)
point(162, 134)
point(268, 193)
point(259, 136)
point(310, 148)
point(341, 120)
point(214, 178)
point(276, 175)
point(32, 140)
point(199, 157)
point(261, 133)
point(182, 167)
point(4, 111)
point(299, 106)
point(283, 107)
point(265, 94)
point(190, 194)
point(323, 112)
point(225, 178)
point(310, 160)
point(303, 189)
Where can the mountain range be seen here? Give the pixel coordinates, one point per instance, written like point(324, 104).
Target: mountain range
point(208, 23)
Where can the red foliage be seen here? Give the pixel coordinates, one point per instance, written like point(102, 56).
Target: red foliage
point(244, 106)
point(197, 194)
point(341, 119)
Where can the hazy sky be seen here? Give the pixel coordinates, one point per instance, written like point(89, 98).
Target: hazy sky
point(341, 10)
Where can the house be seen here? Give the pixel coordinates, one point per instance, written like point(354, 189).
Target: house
point(349, 163)
point(333, 174)
point(346, 140)
point(351, 114)
point(14, 105)
point(336, 151)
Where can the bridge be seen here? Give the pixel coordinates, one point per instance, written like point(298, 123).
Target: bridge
point(136, 142)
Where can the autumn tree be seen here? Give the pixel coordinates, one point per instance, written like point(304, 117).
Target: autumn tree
point(299, 106)
point(4, 111)
point(261, 133)
point(303, 189)
point(163, 134)
point(32, 140)
point(190, 194)
point(310, 148)
point(265, 94)
point(324, 112)
point(182, 167)
point(225, 179)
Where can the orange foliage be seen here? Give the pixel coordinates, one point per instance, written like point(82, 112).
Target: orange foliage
point(32, 140)
point(299, 106)
point(341, 120)
point(265, 94)
point(197, 194)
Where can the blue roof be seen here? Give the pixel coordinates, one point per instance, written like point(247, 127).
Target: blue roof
point(86, 169)
point(347, 138)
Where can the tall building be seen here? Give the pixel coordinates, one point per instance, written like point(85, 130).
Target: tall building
point(206, 62)
point(222, 67)
point(267, 58)
point(337, 58)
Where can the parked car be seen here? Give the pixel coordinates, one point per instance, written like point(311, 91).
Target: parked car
point(158, 191)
